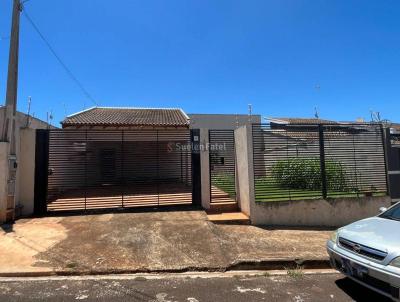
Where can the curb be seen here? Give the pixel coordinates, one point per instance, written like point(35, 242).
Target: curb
point(280, 264)
point(276, 264)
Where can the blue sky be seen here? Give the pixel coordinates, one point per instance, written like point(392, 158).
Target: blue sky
point(212, 56)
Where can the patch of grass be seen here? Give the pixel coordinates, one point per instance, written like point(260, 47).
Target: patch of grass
point(140, 278)
point(266, 274)
point(71, 265)
point(267, 190)
point(225, 182)
point(296, 272)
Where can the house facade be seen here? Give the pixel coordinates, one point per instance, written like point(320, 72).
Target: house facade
point(131, 157)
point(119, 157)
point(127, 158)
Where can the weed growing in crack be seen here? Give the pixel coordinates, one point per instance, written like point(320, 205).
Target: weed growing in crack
point(295, 273)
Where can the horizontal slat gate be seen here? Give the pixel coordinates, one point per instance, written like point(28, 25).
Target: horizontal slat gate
point(97, 169)
point(222, 165)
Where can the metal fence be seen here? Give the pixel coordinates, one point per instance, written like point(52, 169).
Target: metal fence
point(222, 165)
point(91, 169)
point(297, 162)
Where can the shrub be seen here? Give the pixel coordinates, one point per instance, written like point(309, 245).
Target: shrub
point(305, 173)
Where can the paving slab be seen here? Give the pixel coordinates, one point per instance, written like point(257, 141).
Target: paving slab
point(147, 242)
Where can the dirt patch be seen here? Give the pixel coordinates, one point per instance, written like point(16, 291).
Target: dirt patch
point(23, 241)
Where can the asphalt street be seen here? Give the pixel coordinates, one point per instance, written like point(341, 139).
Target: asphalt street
point(189, 288)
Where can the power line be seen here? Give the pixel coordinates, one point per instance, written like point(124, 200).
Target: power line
point(68, 71)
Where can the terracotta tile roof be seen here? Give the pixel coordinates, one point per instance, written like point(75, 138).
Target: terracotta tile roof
point(120, 117)
point(296, 120)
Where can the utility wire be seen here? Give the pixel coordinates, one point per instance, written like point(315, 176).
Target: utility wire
point(68, 71)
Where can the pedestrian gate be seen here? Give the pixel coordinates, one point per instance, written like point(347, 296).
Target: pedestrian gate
point(222, 165)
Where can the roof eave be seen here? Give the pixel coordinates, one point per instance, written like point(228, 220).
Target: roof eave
point(67, 125)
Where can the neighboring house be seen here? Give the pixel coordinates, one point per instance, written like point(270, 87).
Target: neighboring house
point(25, 149)
point(277, 121)
point(299, 132)
point(393, 158)
point(395, 129)
point(299, 128)
point(222, 121)
point(395, 135)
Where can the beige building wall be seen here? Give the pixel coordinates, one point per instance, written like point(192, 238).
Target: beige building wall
point(244, 164)
point(205, 169)
point(25, 150)
point(3, 179)
point(317, 213)
point(222, 121)
point(26, 175)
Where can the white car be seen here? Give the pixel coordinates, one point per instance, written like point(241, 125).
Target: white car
point(368, 252)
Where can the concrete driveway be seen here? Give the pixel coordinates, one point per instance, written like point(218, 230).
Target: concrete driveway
point(152, 241)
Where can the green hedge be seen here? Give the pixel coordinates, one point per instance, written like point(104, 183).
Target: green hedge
point(305, 173)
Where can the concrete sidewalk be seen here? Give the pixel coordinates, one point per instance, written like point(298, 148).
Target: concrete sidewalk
point(149, 242)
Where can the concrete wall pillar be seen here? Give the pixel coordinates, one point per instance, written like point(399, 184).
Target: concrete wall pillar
point(27, 170)
point(205, 169)
point(245, 172)
point(4, 146)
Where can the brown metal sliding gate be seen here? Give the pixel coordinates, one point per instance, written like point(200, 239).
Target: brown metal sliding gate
point(97, 169)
